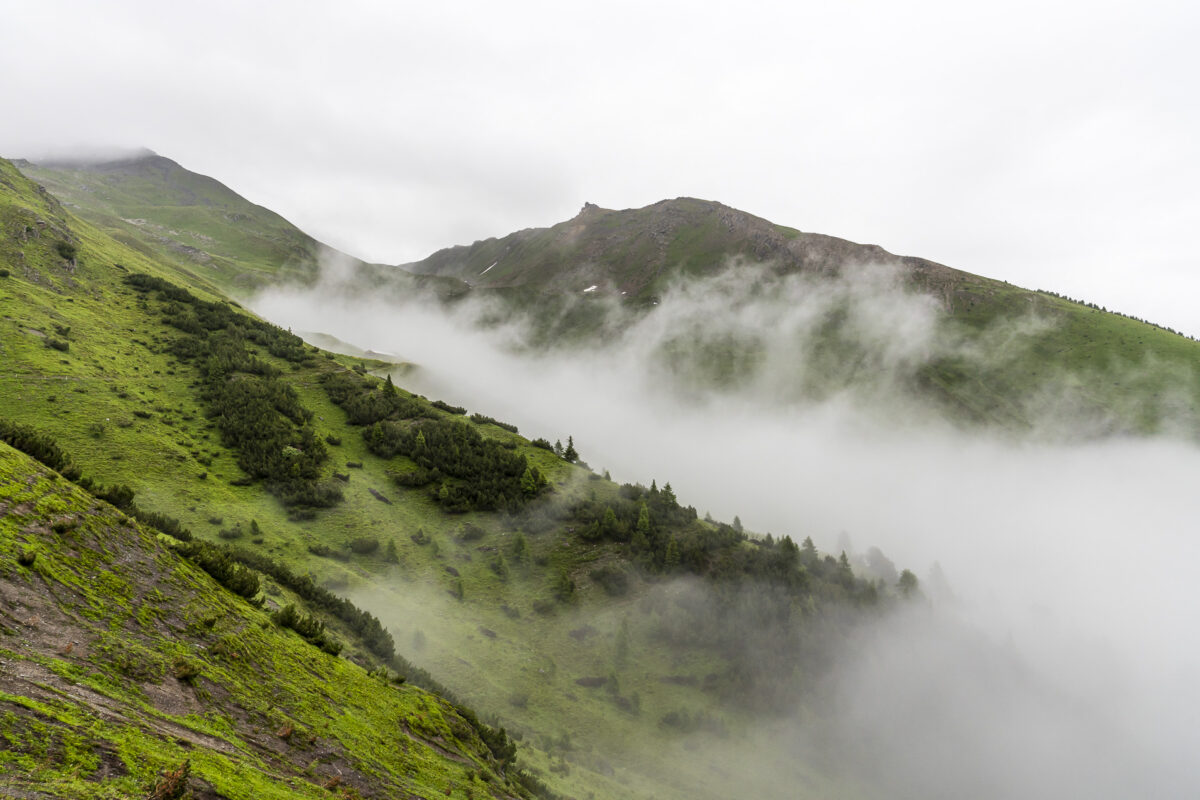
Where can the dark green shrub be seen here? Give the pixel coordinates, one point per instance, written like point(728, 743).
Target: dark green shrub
point(364, 545)
point(613, 580)
point(231, 533)
point(67, 250)
point(218, 563)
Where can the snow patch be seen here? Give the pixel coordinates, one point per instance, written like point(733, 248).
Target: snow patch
point(494, 263)
point(590, 289)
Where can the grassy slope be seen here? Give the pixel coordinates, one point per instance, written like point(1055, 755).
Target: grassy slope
point(154, 205)
point(94, 632)
point(201, 227)
point(125, 410)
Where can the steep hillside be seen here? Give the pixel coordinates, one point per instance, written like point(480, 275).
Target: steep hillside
point(130, 672)
point(599, 623)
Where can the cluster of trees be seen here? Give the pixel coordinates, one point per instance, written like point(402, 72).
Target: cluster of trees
point(444, 406)
point(463, 469)
point(219, 563)
point(365, 402)
point(480, 419)
point(258, 415)
point(309, 627)
point(662, 536)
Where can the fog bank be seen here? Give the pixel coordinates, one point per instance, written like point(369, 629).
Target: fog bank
point(1064, 660)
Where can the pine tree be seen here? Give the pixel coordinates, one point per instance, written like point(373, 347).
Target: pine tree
point(391, 556)
point(564, 587)
point(570, 454)
point(643, 521)
point(808, 550)
point(672, 557)
point(737, 523)
point(608, 524)
point(389, 388)
point(529, 481)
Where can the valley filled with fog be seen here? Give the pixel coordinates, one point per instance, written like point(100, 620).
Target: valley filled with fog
point(1057, 653)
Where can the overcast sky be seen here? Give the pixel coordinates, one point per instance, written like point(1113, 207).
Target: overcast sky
point(1050, 144)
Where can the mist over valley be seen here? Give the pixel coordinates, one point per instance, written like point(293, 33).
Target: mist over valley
point(1052, 651)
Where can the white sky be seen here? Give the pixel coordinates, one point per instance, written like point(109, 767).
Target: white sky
point(1050, 144)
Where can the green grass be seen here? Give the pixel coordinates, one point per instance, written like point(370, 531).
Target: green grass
point(127, 412)
point(96, 627)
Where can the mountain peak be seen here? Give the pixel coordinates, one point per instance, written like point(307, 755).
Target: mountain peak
point(98, 158)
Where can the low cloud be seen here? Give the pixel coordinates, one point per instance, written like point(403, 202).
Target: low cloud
point(1065, 660)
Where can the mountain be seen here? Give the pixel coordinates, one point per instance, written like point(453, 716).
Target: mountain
point(1000, 355)
point(992, 354)
point(638, 253)
point(629, 646)
point(202, 227)
point(598, 624)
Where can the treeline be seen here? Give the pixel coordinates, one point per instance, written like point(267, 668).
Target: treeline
point(1097, 307)
point(662, 536)
point(464, 470)
point(258, 415)
point(309, 627)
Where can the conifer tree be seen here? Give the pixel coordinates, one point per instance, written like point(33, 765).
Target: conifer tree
point(671, 560)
